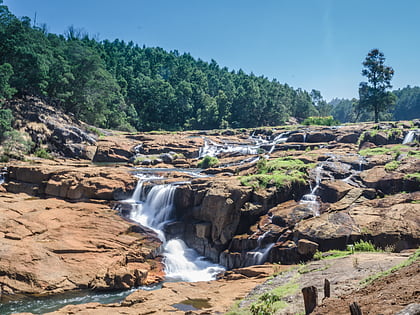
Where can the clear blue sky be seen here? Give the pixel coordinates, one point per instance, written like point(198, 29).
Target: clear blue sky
point(311, 44)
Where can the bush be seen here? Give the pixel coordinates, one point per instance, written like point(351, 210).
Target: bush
point(16, 144)
point(362, 246)
point(6, 118)
point(323, 121)
point(208, 161)
point(43, 154)
point(392, 166)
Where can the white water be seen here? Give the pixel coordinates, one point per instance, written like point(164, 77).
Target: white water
point(409, 137)
point(181, 263)
point(258, 255)
point(213, 149)
point(311, 199)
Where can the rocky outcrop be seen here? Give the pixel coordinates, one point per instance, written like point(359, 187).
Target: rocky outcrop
point(73, 182)
point(50, 246)
point(46, 125)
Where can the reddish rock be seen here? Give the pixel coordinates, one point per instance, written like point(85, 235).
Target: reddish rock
point(50, 246)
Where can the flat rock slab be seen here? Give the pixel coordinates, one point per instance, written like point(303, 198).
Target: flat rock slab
point(50, 245)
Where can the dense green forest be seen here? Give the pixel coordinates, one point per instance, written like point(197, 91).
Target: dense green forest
point(123, 86)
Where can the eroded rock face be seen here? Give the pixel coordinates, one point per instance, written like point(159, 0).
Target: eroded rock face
point(45, 124)
point(51, 245)
point(73, 182)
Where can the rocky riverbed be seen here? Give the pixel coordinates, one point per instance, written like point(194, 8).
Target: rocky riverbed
point(65, 224)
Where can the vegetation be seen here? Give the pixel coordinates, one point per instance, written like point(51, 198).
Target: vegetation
point(394, 150)
point(323, 121)
point(16, 144)
point(392, 166)
point(42, 153)
point(373, 95)
point(414, 176)
point(208, 162)
point(364, 246)
point(269, 302)
point(413, 258)
point(280, 172)
point(123, 86)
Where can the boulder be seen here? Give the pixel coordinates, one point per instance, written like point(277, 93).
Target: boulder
point(307, 248)
point(333, 190)
point(321, 136)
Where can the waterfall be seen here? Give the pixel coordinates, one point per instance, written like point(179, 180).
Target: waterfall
point(181, 263)
point(311, 199)
point(409, 137)
point(258, 255)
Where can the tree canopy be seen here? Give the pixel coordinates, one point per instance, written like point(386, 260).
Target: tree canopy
point(373, 94)
point(121, 85)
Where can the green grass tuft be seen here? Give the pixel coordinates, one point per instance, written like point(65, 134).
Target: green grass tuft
point(208, 162)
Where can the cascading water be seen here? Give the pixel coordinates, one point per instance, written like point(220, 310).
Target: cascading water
point(311, 199)
point(154, 211)
point(258, 255)
point(409, 137)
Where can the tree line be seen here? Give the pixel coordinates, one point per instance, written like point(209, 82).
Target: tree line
point(123, 86)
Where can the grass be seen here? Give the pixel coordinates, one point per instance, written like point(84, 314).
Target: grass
point(415, 176)
point(331, 254)
point(363, 246)
point(394, 150)
point(413, 258)
point(392, 166)
point(208, 162)
point(280, 172)
point(414, 153)
point(272, 301)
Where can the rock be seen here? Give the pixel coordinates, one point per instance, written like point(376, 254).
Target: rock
point(387, 182)
point(333, 190)
point(337, 169)
point(167, 158)
point(54, 246)
point(329, 230)
point(307, 248)
point(65, 182)
point(349, 138)
point(113, 149)
point(412, 309)
point(323, 136)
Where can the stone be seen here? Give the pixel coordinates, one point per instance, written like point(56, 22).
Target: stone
point(333, 190)
point(52, 245)
point(307, 248)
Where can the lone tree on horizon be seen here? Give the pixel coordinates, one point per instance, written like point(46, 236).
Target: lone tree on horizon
point(373, 95)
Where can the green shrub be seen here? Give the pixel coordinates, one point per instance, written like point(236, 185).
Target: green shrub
point(392, 166)
point(208, 161)
point(362, 246)
point(6, 118)
point(323, 121)
point(96, 131)
point(16, 144)
point(43, 154)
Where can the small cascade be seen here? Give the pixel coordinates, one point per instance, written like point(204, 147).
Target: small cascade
point(155, 210)
point(3, 173)
point(311, 199)
point(410, 136)
point(258, 255)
